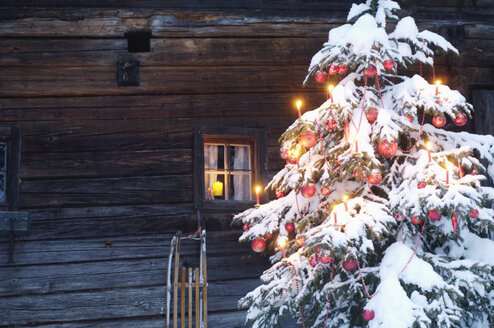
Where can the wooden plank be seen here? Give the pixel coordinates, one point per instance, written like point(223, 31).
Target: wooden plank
point(71, 81)
point(197, 286)
point(175, 281)
point(190, 298)
point(106, 191)
point(182, 299)
point(164, 52)
point(227, 319)
point(106, 163)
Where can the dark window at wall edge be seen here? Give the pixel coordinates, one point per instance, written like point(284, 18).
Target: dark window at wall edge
point(482, 100)
point(258, 138)
point(11, 137)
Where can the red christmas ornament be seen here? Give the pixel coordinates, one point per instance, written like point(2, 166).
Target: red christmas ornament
point(313, 260)
point(416, 220)
point(300, 240)
point(246, 226)
point(439, 121)
point(370, 71)
point(325, 191)
point(289, 227)
point(268, 236)
point(371, 115)
point(308, 191)
point(320, 76)
point(460, 119)
point(409, 117)
point(434, 215)
point(454, 221)
point(368, 315)
point(258, 245)
point(388, 64)
point(333, 69)
point(307, 139)
point(421, 184)
point(279, 193)
point(474, 213)
point(342, 69)
point(399, 216)
point(325, 258)
point(331, 124)
point(387, 149)
point(349, 263)
point(374, 177)
point(283, 153)
point(318, 249)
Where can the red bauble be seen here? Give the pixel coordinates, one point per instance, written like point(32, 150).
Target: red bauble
point(308, 191)
point(368, 315)
point(387, 149)
point(399, 216)
point(474, 214)
point(349, 263)
point(283, 153)
point(300, 240)
point(289, 227)
point(434, 215)
point(313, 260)
point(331, 124)
point(246, 226)
point(454, 221)
point(374, 177)
point(439, 121)
point(342, 69)
point(416, 220)
point(307, 139)
point(325, 191)
point(325, 258)
point(409, 117)
point(460, 119)
point(371, 115)
point(333, 69)
point(279, 193)
point(268, 236)
point(370, 71)
point(258, 245)
point(421, 184)
point(321, 76)
point(388, 64)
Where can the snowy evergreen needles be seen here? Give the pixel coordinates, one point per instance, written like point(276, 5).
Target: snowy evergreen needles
point(449, 281)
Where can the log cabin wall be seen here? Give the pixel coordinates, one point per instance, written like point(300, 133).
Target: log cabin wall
point(107, 170)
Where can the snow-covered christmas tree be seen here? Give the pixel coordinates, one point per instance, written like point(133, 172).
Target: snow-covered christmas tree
point(381, 220)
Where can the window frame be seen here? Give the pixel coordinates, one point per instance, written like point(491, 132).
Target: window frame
point(11, 136)
point(255, 137)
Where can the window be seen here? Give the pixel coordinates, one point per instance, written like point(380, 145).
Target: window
point(10, 148)
point(228, 163)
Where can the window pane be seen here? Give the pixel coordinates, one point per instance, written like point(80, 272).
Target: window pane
point(214, 157)
point(3, 157)
point(239, 158)
point(240, 187)
point(3, 193)
point(211, 188)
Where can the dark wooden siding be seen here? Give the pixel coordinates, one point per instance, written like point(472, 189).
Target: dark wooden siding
point(107, 172)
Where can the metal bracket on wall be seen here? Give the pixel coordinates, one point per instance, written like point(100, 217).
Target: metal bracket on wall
point(128, 72)
point(14, 224)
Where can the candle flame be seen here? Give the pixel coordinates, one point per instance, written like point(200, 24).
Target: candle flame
point(298, 103)
point(438, 82)
point(282, 240)
point(258, 189)
point(345, 198)
point(428, 145)
point(330, 87)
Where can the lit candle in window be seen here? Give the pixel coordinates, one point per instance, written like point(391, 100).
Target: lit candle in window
point(298, 103)
point(345, 198)
point(330, 92)
point(438, 82)
point(258, 190)
point(282, 240)
point(428, 145)
point(218, 188)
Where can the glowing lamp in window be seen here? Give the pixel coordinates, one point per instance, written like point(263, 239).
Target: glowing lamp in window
point(218, 189)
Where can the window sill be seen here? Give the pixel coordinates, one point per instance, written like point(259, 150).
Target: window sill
point(225, 205)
